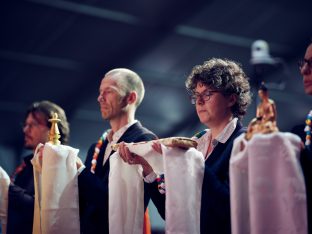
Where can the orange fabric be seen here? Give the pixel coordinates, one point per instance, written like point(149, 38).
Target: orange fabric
point(147, 223)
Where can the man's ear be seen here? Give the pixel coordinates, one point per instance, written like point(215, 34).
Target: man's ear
point(132, 97)
point(232, 100)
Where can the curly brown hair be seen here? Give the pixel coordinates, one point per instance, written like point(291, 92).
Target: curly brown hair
point(227, 77)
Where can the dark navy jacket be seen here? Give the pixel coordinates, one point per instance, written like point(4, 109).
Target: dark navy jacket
point(21, 201)
point(215, 202)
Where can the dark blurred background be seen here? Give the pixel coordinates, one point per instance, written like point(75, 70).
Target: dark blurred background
point(59, 50)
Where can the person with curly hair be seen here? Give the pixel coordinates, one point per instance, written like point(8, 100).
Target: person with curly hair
point(220, 91)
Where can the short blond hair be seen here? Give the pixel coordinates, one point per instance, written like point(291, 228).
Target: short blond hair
point(128, 81)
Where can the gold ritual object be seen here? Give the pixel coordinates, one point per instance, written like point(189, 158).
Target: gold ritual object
point(265, 121)
point(54, 134)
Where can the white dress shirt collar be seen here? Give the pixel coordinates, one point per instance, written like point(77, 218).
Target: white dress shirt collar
point(203, 141)
point(115, 138)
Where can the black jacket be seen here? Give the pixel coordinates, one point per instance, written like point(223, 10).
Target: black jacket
point(215, 202)
point(21, 201)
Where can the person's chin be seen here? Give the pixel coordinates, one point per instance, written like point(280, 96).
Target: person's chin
point(308, 86)
point(105, 116)
point(203, 120)
point(28, 146)
point(308, 90)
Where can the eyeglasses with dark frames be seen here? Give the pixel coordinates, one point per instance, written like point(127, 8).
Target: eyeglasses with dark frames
point(31, 125)
point(302, 62)
point(205, 96)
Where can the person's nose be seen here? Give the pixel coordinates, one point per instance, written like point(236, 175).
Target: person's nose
point(200, 100)
point(25, 128)
point(305, 69)
point(100, 98)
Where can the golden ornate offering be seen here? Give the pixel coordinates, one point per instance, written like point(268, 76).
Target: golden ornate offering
point(54, 134)
point(265, 121)
point(266, 110)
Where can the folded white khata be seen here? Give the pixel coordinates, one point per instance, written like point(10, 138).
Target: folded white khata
point(4, 187)
point(183, 170)
point(56, 190)
point(267, 186)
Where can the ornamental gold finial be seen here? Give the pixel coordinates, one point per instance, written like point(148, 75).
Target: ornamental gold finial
point(54, 134)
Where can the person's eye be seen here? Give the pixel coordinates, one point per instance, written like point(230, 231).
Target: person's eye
point(107, 91)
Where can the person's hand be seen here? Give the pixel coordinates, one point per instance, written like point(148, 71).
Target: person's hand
point(78, 163)
point(127, 156)
point(157, 147)
point(132, 158)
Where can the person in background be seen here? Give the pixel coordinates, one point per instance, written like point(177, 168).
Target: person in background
point(305, 66)
point(36, 129)
point(120, 93)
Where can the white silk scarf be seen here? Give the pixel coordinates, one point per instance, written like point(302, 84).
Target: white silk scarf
point(184, 171)
point(267, 186)
point(56, 190)
point(4, 188)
